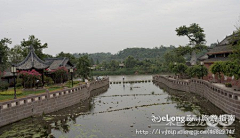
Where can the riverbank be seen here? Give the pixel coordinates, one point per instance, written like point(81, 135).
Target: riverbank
point(225, 99)
point(125, 71)
point(36, 105)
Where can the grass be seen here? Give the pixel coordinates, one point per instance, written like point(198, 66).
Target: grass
point(9, 94)
point(69, 84)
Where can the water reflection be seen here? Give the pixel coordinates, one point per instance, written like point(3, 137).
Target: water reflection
point(43, 126)
point(116, 113)
point(187, 101)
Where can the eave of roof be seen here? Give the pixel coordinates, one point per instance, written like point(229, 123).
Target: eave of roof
point(54, 63)
point(32, 61)
point(212, 60)
point(221, 52)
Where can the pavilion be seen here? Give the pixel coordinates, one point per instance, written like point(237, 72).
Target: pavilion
point(32, 61)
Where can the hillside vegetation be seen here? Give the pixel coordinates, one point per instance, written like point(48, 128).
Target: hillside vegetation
point(137, 53)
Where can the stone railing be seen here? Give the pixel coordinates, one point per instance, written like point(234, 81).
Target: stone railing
point(224, 98)
point(48, 102)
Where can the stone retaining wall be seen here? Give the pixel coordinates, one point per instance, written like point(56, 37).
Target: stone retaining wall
point(226, 99)
point(48, 102)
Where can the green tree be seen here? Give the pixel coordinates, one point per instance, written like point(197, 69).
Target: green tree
point(217, 68)
point(147, 65)
point(236, 71)
point(105, 65)
point(83, 67)
point(60, 74)
point(16, 54)
point(70, 56)
point(180, 69)
point(113, 65)
point(130, 62)
point(91, 62)
point(235, 41)
point(4, 53)
point(171, 57)
point(196, 38)
point(230, 68)
point(37, 45)
point(197, 71)
point(97, 62)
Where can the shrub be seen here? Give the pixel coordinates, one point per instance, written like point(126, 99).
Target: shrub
point(197, 71)
point(10, 93)
point(217, 68)
point(3, 85)
point(19, 80)
point(69, 83)
point(29, 78)
point(180, 69)
point(49, 80)
point(60, 74)
point(19, 85)
point(228, 85)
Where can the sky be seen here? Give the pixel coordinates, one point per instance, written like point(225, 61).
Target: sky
point(80, 26)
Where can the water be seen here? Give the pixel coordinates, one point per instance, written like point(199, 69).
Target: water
point(130, 77)
point(118, 111)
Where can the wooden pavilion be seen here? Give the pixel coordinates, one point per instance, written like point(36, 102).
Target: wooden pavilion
point(32, 61)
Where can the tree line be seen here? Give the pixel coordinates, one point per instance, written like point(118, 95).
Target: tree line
point(145, 60)
point(9, 56)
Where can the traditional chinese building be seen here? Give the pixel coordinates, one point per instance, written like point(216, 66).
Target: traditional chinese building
point(54, 63)
point(32, 61)
point(220, 52)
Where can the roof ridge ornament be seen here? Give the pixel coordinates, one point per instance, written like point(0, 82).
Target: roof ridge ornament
point(31, 48)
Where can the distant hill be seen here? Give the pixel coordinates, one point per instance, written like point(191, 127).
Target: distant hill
point(137, 53)
point(143, 53)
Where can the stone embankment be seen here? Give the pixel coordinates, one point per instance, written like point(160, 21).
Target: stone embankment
point(15, 110)
point(226, 99)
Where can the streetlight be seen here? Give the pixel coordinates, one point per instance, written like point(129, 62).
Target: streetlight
point(14, 70)
point(202, 68)
point(71, 71)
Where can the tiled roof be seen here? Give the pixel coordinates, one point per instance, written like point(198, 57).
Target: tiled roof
point(7, 73)
point(211, 60)
point(221, 49)
point(32, 61)
point(225, 46)
point(203, 57)
point(226, 40)
point(54, 63)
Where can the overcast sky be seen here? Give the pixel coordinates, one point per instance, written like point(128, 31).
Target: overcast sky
point(112, 25)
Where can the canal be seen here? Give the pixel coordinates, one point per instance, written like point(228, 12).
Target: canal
point(122, 110)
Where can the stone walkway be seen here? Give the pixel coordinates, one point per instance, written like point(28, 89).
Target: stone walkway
point(220, 85)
